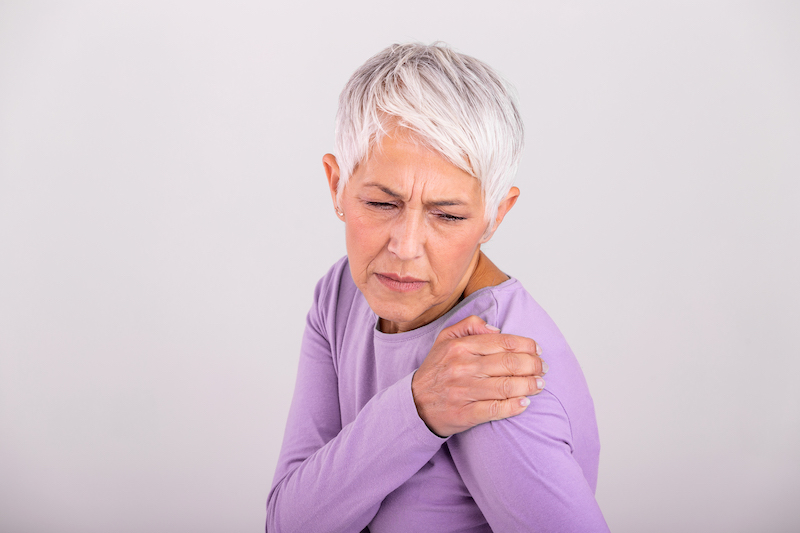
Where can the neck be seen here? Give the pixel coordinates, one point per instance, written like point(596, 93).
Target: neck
point(486, 274)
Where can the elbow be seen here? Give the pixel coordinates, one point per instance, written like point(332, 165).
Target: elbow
point(281, 519)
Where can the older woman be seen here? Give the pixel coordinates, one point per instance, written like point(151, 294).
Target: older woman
point(420, 403)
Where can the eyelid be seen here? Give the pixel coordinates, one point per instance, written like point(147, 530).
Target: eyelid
point(448, 216)
point(381, 205)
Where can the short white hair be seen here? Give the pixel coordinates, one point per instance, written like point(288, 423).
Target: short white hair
point(452, 103)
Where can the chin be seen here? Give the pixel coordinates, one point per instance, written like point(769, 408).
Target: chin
point(393, 312)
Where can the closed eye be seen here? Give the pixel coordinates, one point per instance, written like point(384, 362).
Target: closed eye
point(452, 218)
point(381, 205)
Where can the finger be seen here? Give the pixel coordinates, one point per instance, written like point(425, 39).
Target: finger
point(508, 387)
point(499, 409)
point(472, 325)
point(509, 364)
point(500, 342)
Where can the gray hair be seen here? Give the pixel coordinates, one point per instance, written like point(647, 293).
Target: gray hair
point(452, 103)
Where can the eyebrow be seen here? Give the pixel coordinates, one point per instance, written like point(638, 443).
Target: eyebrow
point(393, 194)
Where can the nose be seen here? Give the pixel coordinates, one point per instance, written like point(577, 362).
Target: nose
point(407, 236)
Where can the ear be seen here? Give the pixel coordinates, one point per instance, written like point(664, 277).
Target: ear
point(502, 210)
point(332, 172)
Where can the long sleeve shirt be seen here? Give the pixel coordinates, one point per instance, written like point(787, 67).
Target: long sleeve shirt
point(357, 457)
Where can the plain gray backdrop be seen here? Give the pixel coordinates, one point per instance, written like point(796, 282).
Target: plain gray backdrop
point(164, 218)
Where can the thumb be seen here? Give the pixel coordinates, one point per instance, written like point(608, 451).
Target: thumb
point(472, 325)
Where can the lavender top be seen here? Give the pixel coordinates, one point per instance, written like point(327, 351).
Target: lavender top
point(356, 455)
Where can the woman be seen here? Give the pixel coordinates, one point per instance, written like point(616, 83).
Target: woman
point(412, 410)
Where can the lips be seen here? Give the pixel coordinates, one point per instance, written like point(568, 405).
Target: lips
point(399, 283)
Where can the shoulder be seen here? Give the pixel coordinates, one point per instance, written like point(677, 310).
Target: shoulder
point(338, 306)
point(517, 313)
point(564, 411)
point(329, 286)
point(336, 285)
point(511, 308)
point(334, 290)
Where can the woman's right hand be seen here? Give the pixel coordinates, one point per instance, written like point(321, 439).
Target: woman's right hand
point(475, 374)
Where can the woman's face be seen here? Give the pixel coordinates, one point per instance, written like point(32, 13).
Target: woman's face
point(414, 226)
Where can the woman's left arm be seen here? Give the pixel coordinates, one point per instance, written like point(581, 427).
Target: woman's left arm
point(536, 471)
point(523, 474)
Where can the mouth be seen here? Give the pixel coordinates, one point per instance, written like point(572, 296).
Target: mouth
point(399, 283)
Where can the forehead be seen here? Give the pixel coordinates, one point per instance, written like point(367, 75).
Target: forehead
point(409, 168)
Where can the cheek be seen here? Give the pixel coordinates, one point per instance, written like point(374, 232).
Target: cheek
point(363, 241)
point(458, 243)
point(451, 256)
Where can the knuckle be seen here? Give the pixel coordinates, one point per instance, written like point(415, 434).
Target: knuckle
point(512, 363)
point(507, 343)
point(456, 348)
point(505, 387)
point(460, 372)
point(473, 320)
point(495, 410)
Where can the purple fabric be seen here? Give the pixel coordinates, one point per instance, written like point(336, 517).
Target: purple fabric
point(356, 454)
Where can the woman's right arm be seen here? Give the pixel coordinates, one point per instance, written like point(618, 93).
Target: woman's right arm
point(334, 478)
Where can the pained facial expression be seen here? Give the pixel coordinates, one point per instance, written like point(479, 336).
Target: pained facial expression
point(415, 223)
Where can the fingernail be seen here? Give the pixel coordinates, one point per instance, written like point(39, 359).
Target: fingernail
point(540, 383)
point(525, 402)
point(492, 328)
point(538, 349)
point(545, 367)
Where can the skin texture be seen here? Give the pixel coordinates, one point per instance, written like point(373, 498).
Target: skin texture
point(414, 226)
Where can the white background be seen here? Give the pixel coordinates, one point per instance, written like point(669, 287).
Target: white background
point(164, 218)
